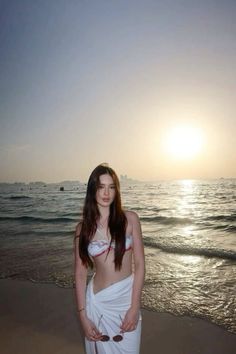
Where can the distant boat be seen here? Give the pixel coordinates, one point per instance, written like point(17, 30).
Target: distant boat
point(61, 189)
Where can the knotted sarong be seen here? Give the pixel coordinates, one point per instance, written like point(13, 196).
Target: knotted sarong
point(107, 309)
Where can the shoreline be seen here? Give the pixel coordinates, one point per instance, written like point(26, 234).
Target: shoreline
point(40, 318)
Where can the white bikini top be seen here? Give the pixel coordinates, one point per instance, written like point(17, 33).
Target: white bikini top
point(100, 246)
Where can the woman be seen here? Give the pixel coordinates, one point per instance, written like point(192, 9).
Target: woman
point(109, 239)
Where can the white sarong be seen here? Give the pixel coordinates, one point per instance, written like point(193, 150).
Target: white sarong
point(107, 309)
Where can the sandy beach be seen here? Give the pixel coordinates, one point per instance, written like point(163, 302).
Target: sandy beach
point(41, 319)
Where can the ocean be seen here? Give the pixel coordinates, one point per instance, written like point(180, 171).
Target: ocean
point(189, 233)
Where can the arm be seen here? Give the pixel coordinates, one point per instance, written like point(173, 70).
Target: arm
point(132, 315)
point(81, 272)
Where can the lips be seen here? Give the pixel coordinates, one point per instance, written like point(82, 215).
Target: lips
point(105, 200)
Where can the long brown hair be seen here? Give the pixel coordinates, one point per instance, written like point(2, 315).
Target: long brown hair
point(116, 223)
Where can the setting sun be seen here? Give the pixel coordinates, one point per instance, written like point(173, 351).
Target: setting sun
point(183, 142)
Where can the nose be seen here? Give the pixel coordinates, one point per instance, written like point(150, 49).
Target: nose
point(106, 191)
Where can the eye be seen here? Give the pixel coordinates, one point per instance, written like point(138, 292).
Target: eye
point(112, 187)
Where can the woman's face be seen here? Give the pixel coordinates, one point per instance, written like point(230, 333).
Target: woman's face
point(106, 191)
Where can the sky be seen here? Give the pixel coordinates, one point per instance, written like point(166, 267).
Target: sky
point(132, 83)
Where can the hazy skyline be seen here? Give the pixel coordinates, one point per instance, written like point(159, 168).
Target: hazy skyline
point(85, 82)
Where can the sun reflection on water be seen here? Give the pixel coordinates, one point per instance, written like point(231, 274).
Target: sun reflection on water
point(191, 259)
point(187, 183)
point(187, 230)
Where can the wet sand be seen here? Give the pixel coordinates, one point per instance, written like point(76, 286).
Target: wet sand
point(41, 319)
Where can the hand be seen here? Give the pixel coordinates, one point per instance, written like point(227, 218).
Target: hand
point(90, 330)
point(130, 321)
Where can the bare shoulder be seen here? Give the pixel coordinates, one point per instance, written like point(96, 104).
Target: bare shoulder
point(132, 217)
point(133, 227)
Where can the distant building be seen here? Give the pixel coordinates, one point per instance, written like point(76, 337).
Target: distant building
point(126, 179)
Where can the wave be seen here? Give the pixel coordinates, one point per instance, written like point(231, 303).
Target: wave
point(167, 220)
point(207, 252)
point(19, 197)
point(33, 219)
point(231, 217)
point(230, 228)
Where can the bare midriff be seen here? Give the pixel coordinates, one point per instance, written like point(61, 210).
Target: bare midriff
point(106, 274)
